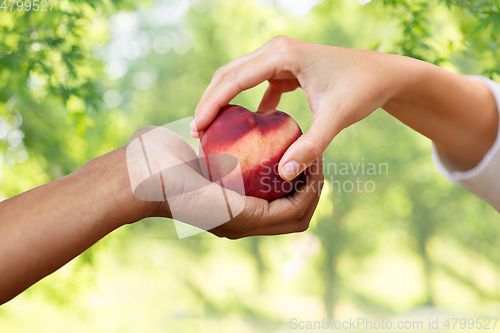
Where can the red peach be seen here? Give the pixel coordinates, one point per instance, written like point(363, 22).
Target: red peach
point(258, 141)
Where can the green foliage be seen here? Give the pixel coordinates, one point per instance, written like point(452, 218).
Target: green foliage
point(50, 76)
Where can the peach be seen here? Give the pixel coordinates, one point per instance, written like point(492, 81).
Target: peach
point(258, 141)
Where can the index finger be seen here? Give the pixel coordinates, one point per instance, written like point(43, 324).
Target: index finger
point(235, 80)
point(219, 73)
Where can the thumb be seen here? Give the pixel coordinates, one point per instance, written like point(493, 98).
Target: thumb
point(308, 148)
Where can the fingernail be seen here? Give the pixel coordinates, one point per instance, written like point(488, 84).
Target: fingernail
point(192, 123)
point(290, 170)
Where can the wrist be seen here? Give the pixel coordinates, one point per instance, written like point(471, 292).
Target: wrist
point(109, 186)
point(404, 75)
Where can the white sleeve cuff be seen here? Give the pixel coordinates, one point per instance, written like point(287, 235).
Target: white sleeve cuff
point(484, 179)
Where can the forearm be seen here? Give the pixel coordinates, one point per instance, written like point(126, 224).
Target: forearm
point(459, 115)
point(43, 229)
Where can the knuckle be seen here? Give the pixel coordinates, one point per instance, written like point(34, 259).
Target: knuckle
point(231, 77)
point(302, 213)
point(219, 72)
point(285, 48)
point(280, 39)
point(302, 226)
point(311, 148)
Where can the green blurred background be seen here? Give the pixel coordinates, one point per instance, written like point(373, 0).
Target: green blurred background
point(76, 82)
